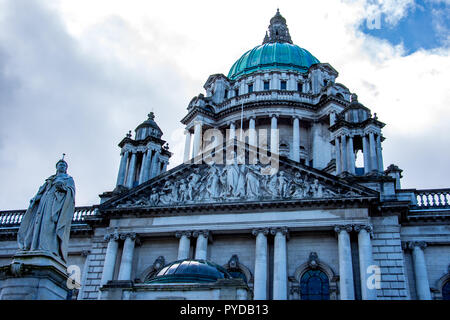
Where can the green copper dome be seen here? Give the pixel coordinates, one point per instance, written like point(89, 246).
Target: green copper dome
point(285, 56)
point(276, 52)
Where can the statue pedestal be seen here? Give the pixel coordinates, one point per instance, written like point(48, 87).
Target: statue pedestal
point(34, 275)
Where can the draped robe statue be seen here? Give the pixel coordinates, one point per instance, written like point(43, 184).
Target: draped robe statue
point(46, 223)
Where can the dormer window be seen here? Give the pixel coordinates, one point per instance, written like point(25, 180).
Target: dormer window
point(299, 87)
point(266, 85)
point(225, 95)
point(325, 82)
point(283, 85)
point(236, 92)
point(250, 88)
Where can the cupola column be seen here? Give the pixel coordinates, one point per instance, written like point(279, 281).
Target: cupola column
point(366, 155)
point(346, 284)
point(147, 164)
point(187, 146)
point(131, 170)
point(373, 153)
point(351, 155)
point(127, 256)
point(261, 266)
point(155, 165)
point(379, 154)
point(197, 138)
point(296, 139)
point(122, 169)
point(280, 264)
point(344, 153)
point(274, 135)
point(142, 172)
point(337, 147)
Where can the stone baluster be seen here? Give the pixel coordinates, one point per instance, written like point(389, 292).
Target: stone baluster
point(347, 291)
point(260, 279)
point(126, 263)
point(184, 245)
point(280, 264)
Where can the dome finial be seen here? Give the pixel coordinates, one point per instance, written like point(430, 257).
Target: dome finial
point(278, 30)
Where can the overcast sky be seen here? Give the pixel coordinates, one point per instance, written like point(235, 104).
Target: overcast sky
point(75, 76)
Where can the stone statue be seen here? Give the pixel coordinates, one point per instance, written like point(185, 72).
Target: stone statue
point(47, 221)
point(253, 185)
point(213, 183)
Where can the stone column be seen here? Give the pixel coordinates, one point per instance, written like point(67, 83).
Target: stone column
point(142, 172)
point(148, 164)
point(260, 278)
point(347, 291)
point(365, 260)
point(252, 137)
point(127, 256)
point(201, 247)
point(379, 154)
point(420, 270)
point(274, 135)
point(197, 139)
point(332, 118)
point(280, 264)
point(155, 163)
point(122, 169)
point(373, 153)
point(296, 139)
point(84, 272)
point(110, 257)
point(366, 155)
point(232, 130)
point(187, 146)
point(344, 153)
point(131, 170)
point(351, 155)
point(184, 245)
point(337, 147)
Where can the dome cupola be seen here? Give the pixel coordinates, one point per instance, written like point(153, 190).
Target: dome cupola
point(148, 128)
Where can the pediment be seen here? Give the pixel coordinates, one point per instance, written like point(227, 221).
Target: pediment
point(238, 180)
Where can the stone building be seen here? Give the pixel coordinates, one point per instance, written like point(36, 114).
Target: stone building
point(269, 203)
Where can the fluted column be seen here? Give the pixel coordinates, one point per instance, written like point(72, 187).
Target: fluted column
point(373, 153)
point(351, 155)
point(155, 164)
point(184, 244)
point(197, 139)
point(366, 154)
point(260, 278)
point(337, 147)
point(201, 247)
point(126, 262)
point(347, 291)
point(148, 164)
point(379, 154)
point(344, 153)
point(131, 170)
point(142, 172)
point(110, 257)
point(122, 169)
point(274, 135)
point(187, 146)
point(420, 270)
point(280, 264)
point(296, 140)
point(365, 260)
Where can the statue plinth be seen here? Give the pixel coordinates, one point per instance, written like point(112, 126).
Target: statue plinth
point(34, 275)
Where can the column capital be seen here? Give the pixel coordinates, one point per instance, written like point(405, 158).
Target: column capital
point(419, 244)
point(283, 230)
point(274, 115)
point(197, 233)
point(125, 235)
point(179, 234)
point(230, 122)
point(251, 117)
point(367, 227)
point(264, 231)
point(348, 228)
point(113, 236)
point(296, 116)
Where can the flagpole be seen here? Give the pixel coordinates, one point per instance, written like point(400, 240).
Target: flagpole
point(242, 120)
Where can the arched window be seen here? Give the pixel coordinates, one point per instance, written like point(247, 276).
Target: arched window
point(314, 285)
point(446, 291)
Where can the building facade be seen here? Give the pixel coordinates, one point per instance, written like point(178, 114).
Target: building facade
point(270, 202)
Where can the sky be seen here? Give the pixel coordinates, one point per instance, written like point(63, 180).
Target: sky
point(76, 76)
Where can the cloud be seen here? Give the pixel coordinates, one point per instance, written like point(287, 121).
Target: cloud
point(75, 76)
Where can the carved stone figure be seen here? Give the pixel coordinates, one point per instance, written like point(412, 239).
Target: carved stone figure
point(193, 179)
point(317, 189)
point(240, 188)
point(232, 175)
point(272, 185)
point(213, 183)
point(182, 190)
point(47, 221)
point(154, 198)
point(282, 185)
point(253, 183)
